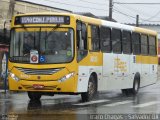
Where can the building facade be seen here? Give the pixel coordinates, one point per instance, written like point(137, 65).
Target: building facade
point(8, 8)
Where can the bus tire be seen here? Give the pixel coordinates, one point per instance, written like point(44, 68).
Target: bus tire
point(134, 90)
point(136, 85)
point(34, 96)
point(92, 90)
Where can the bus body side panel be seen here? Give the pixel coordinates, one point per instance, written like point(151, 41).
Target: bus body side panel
point(123, 66)
point(135, 67)
point(109, 75)
point(84, 74)
point(149, 63)
point(116, 71)
point(148, 69)
point(92, 63)
point(154, 68)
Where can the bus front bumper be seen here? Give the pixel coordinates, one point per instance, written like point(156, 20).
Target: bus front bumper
point(43, 86)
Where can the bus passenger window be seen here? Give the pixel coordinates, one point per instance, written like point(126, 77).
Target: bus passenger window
point(116, 41)
point(152, 45)
point(95, 42)
point(105, 34)
point(144, 44)
point(136, 48)
point(126, 42)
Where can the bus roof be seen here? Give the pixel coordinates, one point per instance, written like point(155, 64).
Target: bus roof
point(100, 22)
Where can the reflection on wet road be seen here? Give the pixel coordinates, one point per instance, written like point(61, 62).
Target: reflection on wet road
point(72, 108)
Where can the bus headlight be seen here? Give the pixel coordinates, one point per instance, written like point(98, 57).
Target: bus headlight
point(13, 76)
point(66, 77)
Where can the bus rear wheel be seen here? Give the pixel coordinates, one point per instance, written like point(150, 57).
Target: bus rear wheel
point(92, 90)
point(134, 90)
point(34, 96)
point(136, 86)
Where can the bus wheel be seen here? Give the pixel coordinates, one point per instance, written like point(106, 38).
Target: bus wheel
point(35, 96)
point(92, 90)
point(136, 86)
point(134, 90)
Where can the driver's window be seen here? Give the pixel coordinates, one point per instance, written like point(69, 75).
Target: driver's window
point(81, 40)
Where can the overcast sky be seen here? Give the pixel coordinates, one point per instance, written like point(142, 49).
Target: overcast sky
point(123, 13)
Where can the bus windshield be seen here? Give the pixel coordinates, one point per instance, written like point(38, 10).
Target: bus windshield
point(55, 45)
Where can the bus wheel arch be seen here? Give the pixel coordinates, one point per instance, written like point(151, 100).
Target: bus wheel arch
point(92, 88)
point(135, 87)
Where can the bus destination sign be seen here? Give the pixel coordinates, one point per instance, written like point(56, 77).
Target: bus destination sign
point(42, 20)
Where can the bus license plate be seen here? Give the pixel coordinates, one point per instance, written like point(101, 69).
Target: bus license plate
point(38, 86)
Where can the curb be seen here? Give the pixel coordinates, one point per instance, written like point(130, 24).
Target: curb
point(2, 91)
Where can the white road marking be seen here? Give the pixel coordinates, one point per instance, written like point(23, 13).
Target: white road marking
point(50, 103)
point(92, 102)
point(118, 103)
point(146, 104)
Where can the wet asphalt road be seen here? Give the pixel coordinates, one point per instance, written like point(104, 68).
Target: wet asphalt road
point(68, 107)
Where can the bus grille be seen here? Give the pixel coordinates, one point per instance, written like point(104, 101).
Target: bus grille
point(30, 71)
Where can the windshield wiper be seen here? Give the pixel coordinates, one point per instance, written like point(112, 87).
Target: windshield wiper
point(54, 28)
point(39, 39)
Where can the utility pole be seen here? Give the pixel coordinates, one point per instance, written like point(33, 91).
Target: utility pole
point(137, 20)
point(110, 9)
point(11, 9)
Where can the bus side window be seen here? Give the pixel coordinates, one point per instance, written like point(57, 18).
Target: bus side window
point(105, 35)
point(95, 38)
point(126, 42)
point(81, 40)
point(144, 44)
point(81, 36)
point(116, 41)
point(152, 46)
point(136, 46)
point(84, 36)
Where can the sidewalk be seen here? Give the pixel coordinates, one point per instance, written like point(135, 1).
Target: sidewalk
point(2, 91)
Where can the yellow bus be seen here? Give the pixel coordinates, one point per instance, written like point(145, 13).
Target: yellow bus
point(63, 53)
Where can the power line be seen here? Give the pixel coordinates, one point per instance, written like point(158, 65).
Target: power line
point(142, 13)
point(124, 13)
point(137, 3)
point(127, 14)
point(133, 10)
point(151, 16)
point(76, 5)
point(133, 16)
point(142, 19)
point(104, 4)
